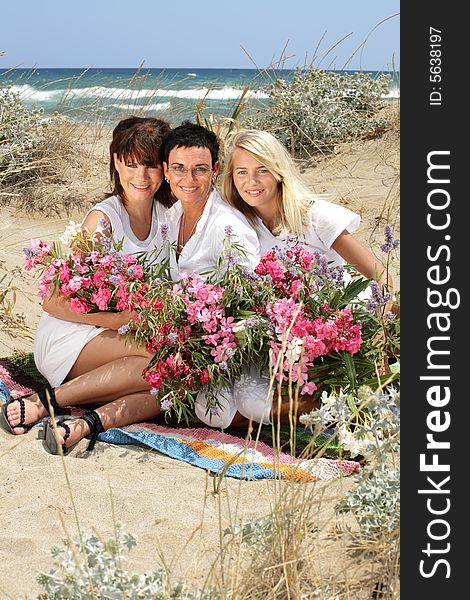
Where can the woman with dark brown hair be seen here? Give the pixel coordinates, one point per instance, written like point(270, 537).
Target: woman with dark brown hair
point(82, 356)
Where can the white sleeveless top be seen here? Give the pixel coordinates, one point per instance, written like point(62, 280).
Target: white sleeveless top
point(114, 209)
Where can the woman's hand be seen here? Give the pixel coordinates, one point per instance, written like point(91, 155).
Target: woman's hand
point(121, 318)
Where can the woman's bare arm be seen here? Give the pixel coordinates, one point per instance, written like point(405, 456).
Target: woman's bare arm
point(59, 307)
point(356, 254)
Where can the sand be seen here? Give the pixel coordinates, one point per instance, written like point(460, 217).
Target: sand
point(169, 505)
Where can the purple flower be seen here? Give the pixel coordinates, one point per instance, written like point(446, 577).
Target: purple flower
point(377, 299)
point(166, 404)
point(250, 323)
point(104, 224)
point(123, 329)
point(30, 252)
point(172, 337)
point(107, 243)
point(390, 242)
point(164, 230)
point(223, 365)
point(228, 230)
point(154, 391)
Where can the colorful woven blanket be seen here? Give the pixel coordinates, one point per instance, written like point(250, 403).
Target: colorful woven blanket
point(222, 453)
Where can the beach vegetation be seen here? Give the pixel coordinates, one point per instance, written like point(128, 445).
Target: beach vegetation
point(317, 109)
point(22, 133)
point(42, 159)
point(93, 569)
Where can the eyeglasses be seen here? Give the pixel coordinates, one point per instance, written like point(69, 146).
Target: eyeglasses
point(197, 172)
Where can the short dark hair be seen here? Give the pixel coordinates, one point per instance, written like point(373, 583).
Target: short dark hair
point(190, 135)
point(139, 139)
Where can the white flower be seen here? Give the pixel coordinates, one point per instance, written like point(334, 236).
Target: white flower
point(72, 231)
point(354, 443)
point(294, 350)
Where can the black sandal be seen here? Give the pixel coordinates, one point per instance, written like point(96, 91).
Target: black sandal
point(47, 397)
point(94, 424)
point(9, 400)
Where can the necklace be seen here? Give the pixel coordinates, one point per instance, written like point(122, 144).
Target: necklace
point(183, 239)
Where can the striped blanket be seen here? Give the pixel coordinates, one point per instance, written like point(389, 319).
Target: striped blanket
point(222, 453)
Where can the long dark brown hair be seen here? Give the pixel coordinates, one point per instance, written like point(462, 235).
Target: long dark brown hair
point(139, 139)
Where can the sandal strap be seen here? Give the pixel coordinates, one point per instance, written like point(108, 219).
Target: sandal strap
point(22, 412)
point(95, 425)
point(22, 424)
point(60, 423)
point(47, 397)
point(63, 423)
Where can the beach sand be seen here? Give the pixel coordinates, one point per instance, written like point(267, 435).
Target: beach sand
point(167, 504)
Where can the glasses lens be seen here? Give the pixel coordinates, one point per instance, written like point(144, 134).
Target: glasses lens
point(196, 172)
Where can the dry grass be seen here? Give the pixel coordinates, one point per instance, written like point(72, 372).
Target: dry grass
point(13, 323)
point(66, 175)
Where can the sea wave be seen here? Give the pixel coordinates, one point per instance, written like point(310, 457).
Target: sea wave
point(226, 93)
point(147, 107)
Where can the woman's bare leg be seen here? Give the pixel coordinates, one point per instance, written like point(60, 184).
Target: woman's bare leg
point(103, 349)
point(129, 409)
point(108, 367)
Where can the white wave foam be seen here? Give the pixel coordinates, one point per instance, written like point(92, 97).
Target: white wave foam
point(28, 92)
point(225, 93)
point(146, 107)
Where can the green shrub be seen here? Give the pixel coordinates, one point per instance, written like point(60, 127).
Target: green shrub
point(375, 502)
point(22, 132)
point(93, 570)
point(318, 109)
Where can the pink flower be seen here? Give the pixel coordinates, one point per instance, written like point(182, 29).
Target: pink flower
point(305, 259)
point(204, 376)
point(101, 298)
point(43, 247)
point(79, 305)
point(44, 289)
point(308, 388)
point(106, 261)
point(99, 277)
point(64, 273)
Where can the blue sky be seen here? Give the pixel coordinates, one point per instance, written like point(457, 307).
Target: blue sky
point(188, 33)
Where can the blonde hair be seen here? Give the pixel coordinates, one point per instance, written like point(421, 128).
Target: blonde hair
point(295, 198)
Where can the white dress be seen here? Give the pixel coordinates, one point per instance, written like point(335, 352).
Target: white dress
point(58, 343)
point(326, 222)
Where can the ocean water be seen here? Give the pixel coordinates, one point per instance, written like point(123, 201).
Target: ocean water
point(105, 95)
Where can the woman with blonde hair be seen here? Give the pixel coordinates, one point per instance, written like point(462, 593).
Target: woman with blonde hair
point(261, 179)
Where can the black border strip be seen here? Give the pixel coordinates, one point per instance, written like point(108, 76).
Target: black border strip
point(434, 126)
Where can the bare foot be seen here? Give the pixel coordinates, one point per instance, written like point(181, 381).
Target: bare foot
point(33, 412)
